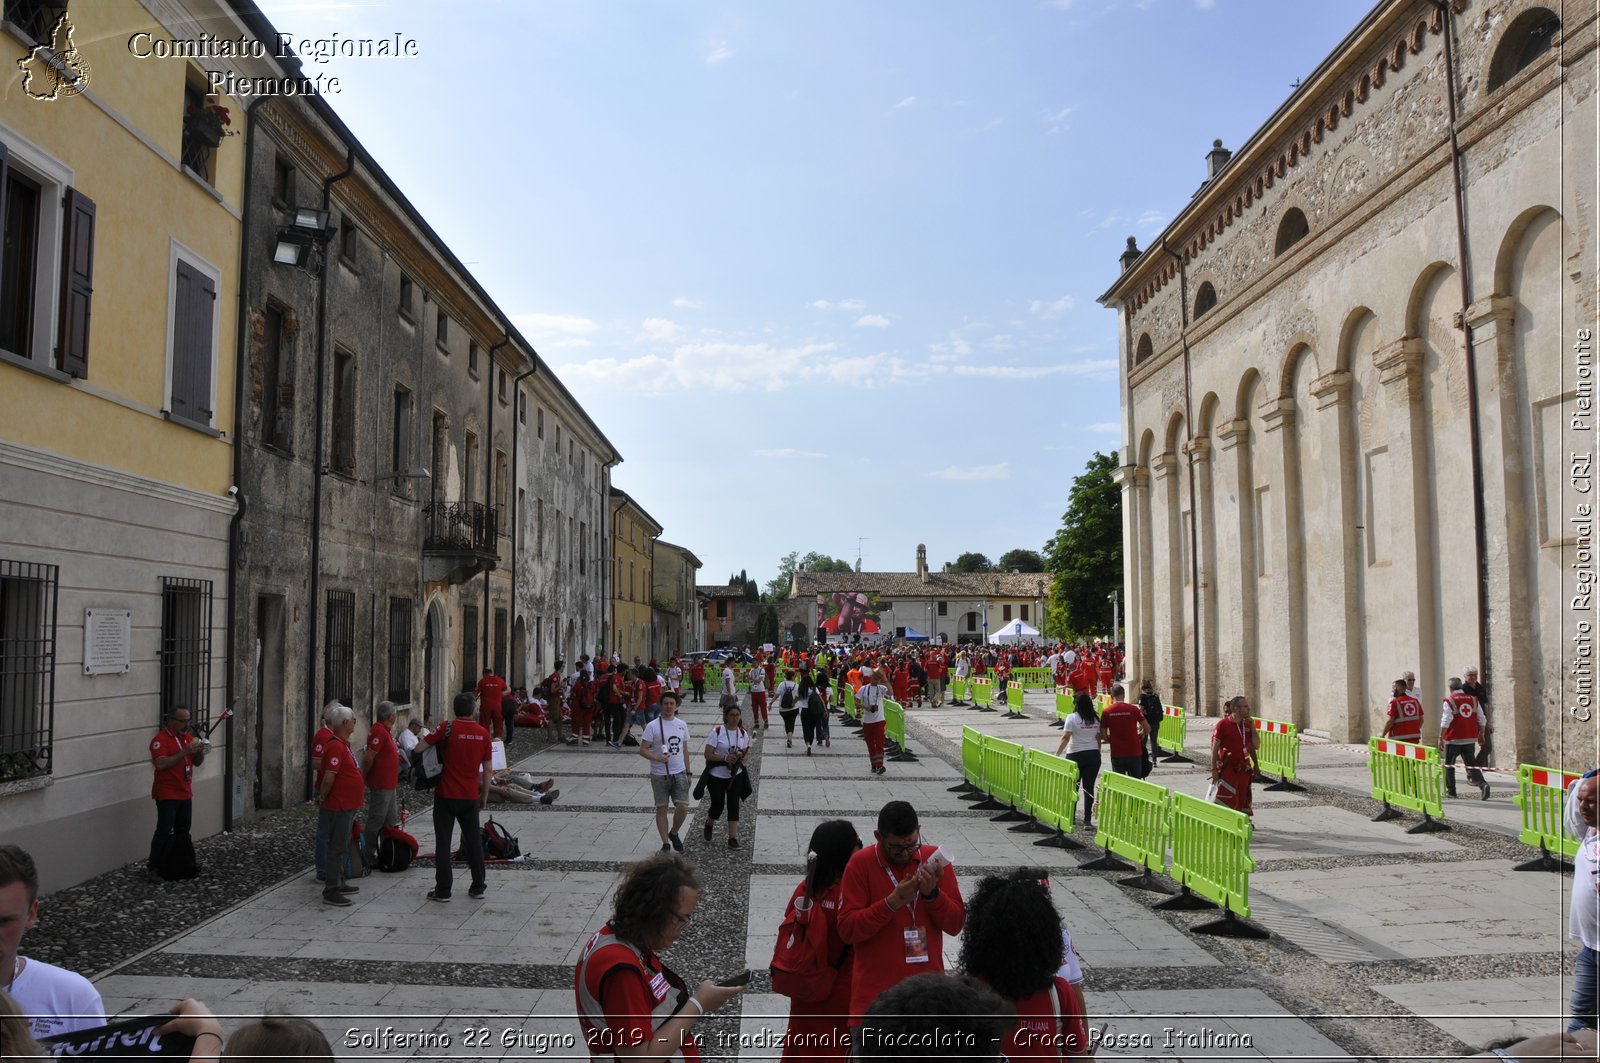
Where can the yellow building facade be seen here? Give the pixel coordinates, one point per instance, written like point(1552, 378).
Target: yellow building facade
point(123, 186)
point(633, 536)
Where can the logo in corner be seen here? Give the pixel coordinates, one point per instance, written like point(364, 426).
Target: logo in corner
point(51, 71)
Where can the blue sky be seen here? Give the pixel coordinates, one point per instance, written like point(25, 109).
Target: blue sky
point(824, 272)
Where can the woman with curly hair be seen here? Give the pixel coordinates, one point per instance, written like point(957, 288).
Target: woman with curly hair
point(1013, 943)
point(820, 1029)
point(630, 1004)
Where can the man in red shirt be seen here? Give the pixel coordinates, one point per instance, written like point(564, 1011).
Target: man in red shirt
point(1405, 716)
point(1122, 725)
point(1458, 734)
point(461, 791)
point(380, 765)
point(491, 691)
point(697, 678)
point(319, 746)
point(174, 753)
point(897, 904)
point(341, 794)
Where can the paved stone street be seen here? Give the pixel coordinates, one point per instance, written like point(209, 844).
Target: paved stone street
point(1383, 944)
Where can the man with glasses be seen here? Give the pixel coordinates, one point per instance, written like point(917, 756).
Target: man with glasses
point(898, 903)
point(174, 753)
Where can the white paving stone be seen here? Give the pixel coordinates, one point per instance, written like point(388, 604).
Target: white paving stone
point(1480, 1010)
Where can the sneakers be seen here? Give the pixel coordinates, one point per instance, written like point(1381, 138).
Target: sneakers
point(707, 831)
point(828, 742)
point(788, 743)
point(677, 842)
point(478, 891)
point(733, 843)
point(613, 745)
point(572, 741)
point(629, 740)
point(666, 847)
point(349, 889)
point(808, 751)
point(435, 895)
point(549, 797)
point(338, 900)
point(1483, 791)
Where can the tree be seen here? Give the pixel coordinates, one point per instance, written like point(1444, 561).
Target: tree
point(1084, 558)
point(777, 588)
point(971, 562)
point(1020, 560)
point(746, 585)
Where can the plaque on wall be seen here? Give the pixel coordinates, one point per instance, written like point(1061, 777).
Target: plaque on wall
point(106, 636)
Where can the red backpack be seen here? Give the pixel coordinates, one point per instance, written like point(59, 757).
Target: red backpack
point(800, 967)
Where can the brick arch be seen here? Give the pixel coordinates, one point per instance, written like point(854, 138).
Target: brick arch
point(1505, 256)
point(1520, 17)
point(1147, 443)
point(1301, 345)
point(1344, 359)
point(1207, 418)
point(1247, 383)
point(1170, 438)
point(1419, 292)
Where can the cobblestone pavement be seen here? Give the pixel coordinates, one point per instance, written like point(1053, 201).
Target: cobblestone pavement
point(1383, 944)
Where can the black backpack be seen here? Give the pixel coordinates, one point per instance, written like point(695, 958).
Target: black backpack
point(498, 844)
point(786, 701)
point(396, 850)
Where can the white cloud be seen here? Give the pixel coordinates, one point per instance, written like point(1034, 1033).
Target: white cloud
point(1000, 471)
point(1108, 428)
point(718, 51)
point(852, 305)
point(1059, 116)
point(684, 303)
point(789, 452)
point(1152, 219)
point(1053, 307)
point(1035, 372)
point(545, 324)
point(661, 330)
point(721, 366)
point(1205, 5)
point(872, 321)
point(819, 304)
point(907, 102)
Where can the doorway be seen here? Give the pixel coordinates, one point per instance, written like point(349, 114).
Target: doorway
point(269, 707)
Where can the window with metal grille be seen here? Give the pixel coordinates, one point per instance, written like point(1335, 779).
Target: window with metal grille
point(500, 642)
point(27, 668)
point(400, 650)
point(186, 650)
point(339, 651)
point(469, 647)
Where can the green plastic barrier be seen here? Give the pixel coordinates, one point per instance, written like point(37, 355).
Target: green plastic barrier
point(894, 729)
point(1173, 732)
point(1211, 858)
point(1014, 698)
point(1133, 817)
point(1541, 794)
point(851, 712)
point(1278, 752)
point(1102, 702)
point(1410, 776)
point(972, 756)
point(1063, 704)
point(958, 690)
point(982, 693)
point(1002, 771)
point(1050, 789)
point(1033, 678)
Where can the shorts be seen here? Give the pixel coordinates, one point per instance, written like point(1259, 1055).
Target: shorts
point(670, 789)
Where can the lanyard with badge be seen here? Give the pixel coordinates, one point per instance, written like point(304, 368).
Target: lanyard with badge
point(915, 937)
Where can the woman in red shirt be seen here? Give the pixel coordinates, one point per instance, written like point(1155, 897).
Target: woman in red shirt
point(1233, 756)
point(821, 1029)
point(1013, 943)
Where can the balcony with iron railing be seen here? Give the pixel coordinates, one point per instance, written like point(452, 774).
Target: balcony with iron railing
point(460, 540)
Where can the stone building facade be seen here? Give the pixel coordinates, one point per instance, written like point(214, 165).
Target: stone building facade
point(1356, 371)
point(677, 607)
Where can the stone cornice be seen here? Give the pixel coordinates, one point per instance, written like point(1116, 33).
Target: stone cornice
point(1500, 309)
point(1164, 465)
point(1332, 389)
point(1276, 414)
point(1400, 363)
point(1233, 432)
point(1198, 450)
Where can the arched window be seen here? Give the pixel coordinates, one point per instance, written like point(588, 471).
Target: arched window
point(1204, 300)
point(1291, 230)
point(1527, 38)
point(1144, 350)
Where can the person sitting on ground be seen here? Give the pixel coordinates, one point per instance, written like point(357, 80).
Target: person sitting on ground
point(520, 789)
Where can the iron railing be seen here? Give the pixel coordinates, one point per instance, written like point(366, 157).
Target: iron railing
point(454, 527)
point(27, 668)
point(186, 650)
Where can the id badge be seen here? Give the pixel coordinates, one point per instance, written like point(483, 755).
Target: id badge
point(916, 944)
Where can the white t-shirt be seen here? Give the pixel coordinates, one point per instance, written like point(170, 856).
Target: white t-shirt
point(1083, 735)
point(1583, 917)
point(1069, 969)
point(60, 1000)
point(728, 685)
point(674, 677)
point(870, 701)
point(720, 741)
point(794, 690)
point(670, 737)
point(963, 667)
point(407, 741)
point(758, 679)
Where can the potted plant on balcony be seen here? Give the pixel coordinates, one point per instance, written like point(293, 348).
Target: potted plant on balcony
point(207, 121)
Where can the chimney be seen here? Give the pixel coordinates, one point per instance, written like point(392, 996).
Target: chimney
point(858, 564)
point(1131, 255)
point(947, 566)
point(1216, 159)
point(922, 563)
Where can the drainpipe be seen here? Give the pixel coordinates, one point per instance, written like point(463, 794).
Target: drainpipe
point(491, 370)
point(1194, 501)
point(241, 360)
point(516, 453)
point(1480, 520)
point(319, 468)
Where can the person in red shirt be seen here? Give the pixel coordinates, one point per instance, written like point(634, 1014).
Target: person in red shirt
point(462, 790)
point(697, 678)
point(1404, 723)
point(1233, 756)
point(629, 1003)
point(174, 753)
point(1122, 726)
point(491, 691)
point(820, 1029)
point(937, 670)
point(341, 798)
point(1459, 727)
point(583, 709)
point(896, 906)
point(1013, 943)
point(556, 686)
point(380, 768)
point(319, 746)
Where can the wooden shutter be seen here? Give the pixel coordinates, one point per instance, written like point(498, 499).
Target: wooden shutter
point(77, 283)
point(193, 309)
point(5, 186)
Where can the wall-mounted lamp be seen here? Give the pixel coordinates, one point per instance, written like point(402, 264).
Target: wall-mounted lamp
point(414, 472)
point(297, 245)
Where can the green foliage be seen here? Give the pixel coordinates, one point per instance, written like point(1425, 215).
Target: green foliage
point(748, 585)
point(777, 588)
point(1020, 560)
point(1084, 558)
point(973, 562)
point(767, 626)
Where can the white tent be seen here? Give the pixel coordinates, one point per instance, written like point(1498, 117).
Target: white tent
point(1014, 631)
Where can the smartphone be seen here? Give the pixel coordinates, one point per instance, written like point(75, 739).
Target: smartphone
point(740, 979)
